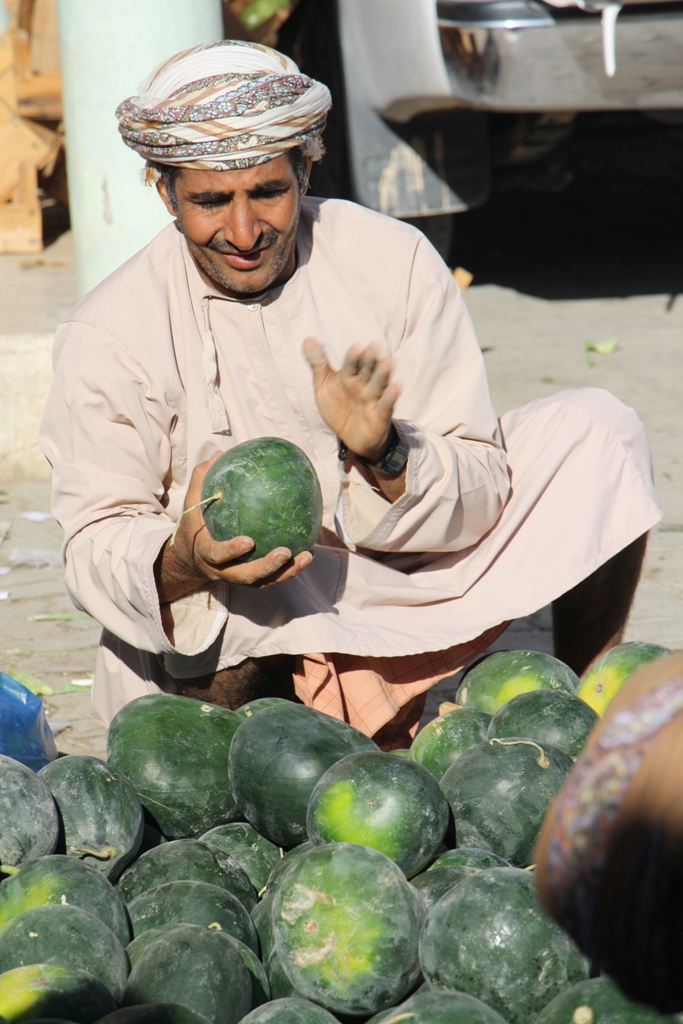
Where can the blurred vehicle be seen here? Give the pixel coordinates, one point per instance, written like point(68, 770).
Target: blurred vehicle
point(430, 94)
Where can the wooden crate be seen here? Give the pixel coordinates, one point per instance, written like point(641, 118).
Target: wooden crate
point(30, 94)
point(21, 224)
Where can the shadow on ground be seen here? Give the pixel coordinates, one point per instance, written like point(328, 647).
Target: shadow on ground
point(615, 231)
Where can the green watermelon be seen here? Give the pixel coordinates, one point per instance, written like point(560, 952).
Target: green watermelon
point(445, 738)
point(50, 990)
point(277, 757)
point(289, 1011)
point(499, 792)
point(266, 489)
point(154, 1013)
point(490, 938)
point(497, 678)
point(378, 800)
point(139, 944)
point(150, 838)
point(279, 869)
point(547, 716)
point(262, 918)
point(253, 852)
point(186, 860)
point(607, 675)
point(188, 902)
point(438, 1006)
point(100, 813)
point(432, 884)
point(29, 825)
point(598, 1001)
point(260, 990)
point(174, 750)
point(470, 857)
point(280, 985)
point(347, 924)
point(67, 936)
point(260, 704)
point(197, 967)
point(63, 880)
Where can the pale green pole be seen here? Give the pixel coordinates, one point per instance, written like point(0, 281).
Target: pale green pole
point(107, 47)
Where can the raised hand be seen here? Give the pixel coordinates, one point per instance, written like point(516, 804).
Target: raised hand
point(357, 401)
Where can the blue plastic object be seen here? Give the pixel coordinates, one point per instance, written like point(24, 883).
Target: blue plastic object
point(24, 732)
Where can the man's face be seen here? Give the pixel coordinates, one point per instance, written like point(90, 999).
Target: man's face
point(240, 225)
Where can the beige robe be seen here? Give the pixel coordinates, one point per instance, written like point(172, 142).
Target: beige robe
point(496, 521)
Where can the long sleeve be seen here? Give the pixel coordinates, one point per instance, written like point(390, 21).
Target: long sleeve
point(108, 431)
point(457, 480)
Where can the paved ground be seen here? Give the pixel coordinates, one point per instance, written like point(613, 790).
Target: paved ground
point(598, 262)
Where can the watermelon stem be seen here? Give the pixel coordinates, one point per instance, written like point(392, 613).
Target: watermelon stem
point(106, 853)
point(401, 1016)
point(8, 869)
point(216, 496)
point(542, 760)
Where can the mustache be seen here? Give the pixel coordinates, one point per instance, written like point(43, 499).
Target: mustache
point(267, 237)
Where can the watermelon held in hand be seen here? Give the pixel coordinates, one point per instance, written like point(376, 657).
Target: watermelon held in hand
point(607, 675)
point(489, 937)
point(500, 676)
point(266, 489)
point(347, 924)
point(379, 800)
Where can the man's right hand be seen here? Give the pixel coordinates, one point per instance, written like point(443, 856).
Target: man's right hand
point(195, 557)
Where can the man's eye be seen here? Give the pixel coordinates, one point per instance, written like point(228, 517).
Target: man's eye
point(211, 204)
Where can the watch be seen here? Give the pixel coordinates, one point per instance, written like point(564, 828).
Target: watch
point(394, 459)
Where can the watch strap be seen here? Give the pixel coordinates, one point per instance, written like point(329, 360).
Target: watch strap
point(393, 461)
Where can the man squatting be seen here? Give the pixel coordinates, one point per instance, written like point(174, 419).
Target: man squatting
point(261, 311)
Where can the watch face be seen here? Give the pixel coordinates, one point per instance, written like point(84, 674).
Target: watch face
point(395, 460)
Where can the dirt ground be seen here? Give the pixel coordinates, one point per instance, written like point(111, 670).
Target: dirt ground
point(554, 272)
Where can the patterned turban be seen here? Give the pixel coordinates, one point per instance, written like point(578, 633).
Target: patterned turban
point(224, 106)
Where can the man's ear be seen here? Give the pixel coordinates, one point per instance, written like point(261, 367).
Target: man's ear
point(163, 192)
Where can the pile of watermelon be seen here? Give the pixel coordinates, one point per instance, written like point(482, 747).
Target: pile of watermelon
point(271, 864)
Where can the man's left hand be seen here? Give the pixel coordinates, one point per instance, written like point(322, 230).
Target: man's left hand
point(357, 401)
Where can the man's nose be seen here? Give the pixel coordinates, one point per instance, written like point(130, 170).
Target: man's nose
point(242, 228)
